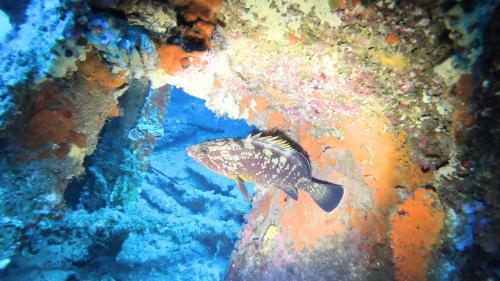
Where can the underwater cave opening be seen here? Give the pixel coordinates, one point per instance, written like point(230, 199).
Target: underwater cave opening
point(186, 218)
point(397, 101)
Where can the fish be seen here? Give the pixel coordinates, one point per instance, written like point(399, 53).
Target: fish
point(269, 161)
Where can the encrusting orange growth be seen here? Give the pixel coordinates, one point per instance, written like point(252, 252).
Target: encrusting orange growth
point(52, 119)
point(380, 159)
point(52, 126)
point(415, 230)
point(253, 105)
point(217, 84)
point(79, 139)
point(48, 125)
point(114, 112)
point(345, 4)
point(193, 10)
point(202, 17)
point(51, 123)
point(203, 31)
point(294, 38)
point(305, 225)
point(463, 113)
point(99, 75)
point(391, 38)
point(173, 59)
point(463, 87)
point(370, 161)
point(309, 143)
point(202, 14)
point(276, 121)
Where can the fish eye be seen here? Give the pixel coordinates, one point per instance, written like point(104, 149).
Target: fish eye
point(204, 150)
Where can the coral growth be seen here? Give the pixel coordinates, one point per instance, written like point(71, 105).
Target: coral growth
point(395, 100)
point(29, 54)
point(173, 59)
point(416, 226)
point(127, 48)
point(98, 76)
point(358, 90)
point(48, 125)
point(196, 10)
point(185, 220)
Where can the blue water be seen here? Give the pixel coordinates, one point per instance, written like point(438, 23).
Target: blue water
point(182, 225)
point(179, 186)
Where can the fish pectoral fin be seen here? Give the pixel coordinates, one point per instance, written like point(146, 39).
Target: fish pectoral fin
point(242, 188)
point(291, 191)
point(244, 179)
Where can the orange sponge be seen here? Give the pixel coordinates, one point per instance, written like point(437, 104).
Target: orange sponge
point(48, 125)
point(173, 59)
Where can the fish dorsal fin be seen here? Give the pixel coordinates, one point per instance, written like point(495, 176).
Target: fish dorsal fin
point(280, 144)
point(274, 141)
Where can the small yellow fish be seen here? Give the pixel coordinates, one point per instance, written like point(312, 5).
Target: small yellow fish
point(269, 161)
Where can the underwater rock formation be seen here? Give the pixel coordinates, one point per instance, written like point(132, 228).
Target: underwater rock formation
point(374, 94)
point(395, 100)
point(176, 221)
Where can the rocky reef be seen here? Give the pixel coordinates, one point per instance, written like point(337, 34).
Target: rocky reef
point(395, 100)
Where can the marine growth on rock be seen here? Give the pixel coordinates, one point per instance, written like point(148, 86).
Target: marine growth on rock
point(395, 102)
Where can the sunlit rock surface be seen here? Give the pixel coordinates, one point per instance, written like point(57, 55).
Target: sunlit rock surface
point(381, 101)
point(395, 100)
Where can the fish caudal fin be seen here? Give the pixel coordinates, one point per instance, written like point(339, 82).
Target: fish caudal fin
point(326, 195)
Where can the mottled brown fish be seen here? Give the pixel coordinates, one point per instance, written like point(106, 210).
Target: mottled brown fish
point(268, 161)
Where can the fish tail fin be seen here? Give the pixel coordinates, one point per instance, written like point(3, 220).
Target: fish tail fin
point(326, 195)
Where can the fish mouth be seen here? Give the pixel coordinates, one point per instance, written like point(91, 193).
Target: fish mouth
point(190, 153)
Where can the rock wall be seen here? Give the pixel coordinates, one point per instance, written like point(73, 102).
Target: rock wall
point(381, 96)
point(395, 100)
point(125, 220)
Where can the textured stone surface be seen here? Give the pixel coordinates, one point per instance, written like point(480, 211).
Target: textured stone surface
point(395, 100)
point(374, 94)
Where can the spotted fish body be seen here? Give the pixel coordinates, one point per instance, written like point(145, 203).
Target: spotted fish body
point(267, 161)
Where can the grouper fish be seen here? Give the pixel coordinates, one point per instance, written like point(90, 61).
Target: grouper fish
point(269, 161)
